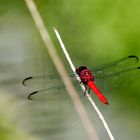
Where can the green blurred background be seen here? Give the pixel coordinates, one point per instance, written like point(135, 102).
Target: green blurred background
point(94, 32)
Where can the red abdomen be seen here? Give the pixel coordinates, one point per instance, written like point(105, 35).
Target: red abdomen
point(94, 88)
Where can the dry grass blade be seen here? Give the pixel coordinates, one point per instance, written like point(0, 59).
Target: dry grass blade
point(60, 68)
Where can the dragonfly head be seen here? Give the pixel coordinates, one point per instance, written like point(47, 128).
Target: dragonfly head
point(79, 69)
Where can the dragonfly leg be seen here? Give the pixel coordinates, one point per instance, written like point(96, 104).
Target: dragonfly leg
point(88, 90)
point(85, 87)
point(85, 90)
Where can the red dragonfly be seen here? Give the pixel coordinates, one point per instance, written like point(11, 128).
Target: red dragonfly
point(123, 66)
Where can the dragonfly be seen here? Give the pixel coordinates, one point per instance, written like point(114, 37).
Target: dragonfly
point(53, 83)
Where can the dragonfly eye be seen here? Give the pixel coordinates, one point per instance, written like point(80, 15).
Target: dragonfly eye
point(82, 68)
point(78, 70)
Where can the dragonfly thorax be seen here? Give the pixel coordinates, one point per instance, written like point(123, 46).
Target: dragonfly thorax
point(84, 74)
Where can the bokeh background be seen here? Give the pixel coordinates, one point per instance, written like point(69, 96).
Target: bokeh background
point(94, 32)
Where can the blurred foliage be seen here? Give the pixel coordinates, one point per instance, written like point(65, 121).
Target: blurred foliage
point(94, 32)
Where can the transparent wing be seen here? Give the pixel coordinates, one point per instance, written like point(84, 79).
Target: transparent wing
point(116, 68)
point(117, 74)
point(119, 79)
point(49, 94)
point(42, 81)
point(52, 85)
point(108, 75)
point(45, 81)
